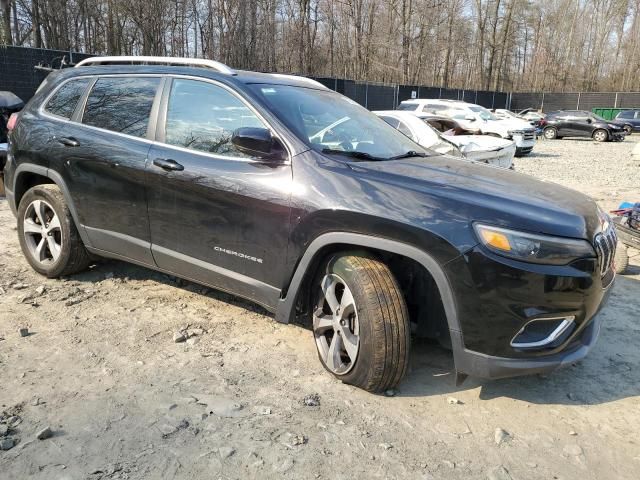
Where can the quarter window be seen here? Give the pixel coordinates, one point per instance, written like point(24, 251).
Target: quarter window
point(64, 101)
point(202, 116)
point(404, 129)
point(121, 104)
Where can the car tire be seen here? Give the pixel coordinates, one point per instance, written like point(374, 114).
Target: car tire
point(600, 135)
point(621, 258)
point(55, 249)
point(360, 322)
point(628, 129)
point(550, 133)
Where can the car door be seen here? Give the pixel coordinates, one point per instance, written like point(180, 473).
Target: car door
point(216, 216)
point(102, 155)
point(580, 124)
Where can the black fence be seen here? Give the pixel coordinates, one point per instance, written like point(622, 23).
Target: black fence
point(379, 96)
point(548, 102)
point(17, 72)
point(18, 75)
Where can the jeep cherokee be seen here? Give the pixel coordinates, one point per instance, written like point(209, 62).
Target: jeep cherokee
point(278, 190)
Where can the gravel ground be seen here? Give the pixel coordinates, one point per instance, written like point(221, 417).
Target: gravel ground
point(245, 397)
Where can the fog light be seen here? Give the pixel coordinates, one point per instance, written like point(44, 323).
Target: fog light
point(543, 332)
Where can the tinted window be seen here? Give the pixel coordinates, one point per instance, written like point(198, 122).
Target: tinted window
point(121, 104)
point(202, 116)
point(64, 101)
point(626, 114)
point(407, 106)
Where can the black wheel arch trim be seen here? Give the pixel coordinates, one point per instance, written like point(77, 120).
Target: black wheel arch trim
point(59, 181)
point(286, 309)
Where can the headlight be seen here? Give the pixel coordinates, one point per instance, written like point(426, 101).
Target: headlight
point(529, 247)
point(615, 127)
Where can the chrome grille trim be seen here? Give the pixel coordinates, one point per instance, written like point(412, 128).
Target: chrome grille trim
point(605, 244)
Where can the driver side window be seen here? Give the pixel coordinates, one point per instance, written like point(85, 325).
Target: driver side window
point(202, 116)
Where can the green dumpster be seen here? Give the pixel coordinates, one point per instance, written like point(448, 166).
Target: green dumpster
point(608, 113)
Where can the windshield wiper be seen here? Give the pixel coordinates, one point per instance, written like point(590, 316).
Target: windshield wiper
point(352, 154)
point(409, 154)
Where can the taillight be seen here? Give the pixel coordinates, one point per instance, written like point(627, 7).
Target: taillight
point(13, 121)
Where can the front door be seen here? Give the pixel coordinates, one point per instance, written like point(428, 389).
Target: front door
point(216, 215)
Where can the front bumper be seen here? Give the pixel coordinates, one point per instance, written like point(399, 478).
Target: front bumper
point(496, 297)
point(481, 365)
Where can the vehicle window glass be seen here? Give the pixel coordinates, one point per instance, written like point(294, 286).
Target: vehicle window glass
point(203, 117)
point(482, 112)
point(394, 122)
point(407, 106)
point(64, 101)
point(626, 114)
point(404, 129)
point(121, 104)
point(431, 108)
point(329, 122)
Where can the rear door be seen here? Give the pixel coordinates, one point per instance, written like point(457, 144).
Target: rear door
point(102, 156)
point(216, 215)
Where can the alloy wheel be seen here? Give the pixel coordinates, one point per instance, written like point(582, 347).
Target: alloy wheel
point(600, 136)
point(42, 232)
point(335, 325)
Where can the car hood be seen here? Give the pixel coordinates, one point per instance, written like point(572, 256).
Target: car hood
point(476, 143)
point(490, 195)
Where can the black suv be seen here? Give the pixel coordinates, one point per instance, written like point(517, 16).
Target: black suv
point(581, 123)
point(278, 190)
point(630, 119)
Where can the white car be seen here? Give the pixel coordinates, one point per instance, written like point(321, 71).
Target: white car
point(477, 118)
point(479, 148)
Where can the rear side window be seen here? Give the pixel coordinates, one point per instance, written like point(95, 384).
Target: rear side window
point(121, 104)
point(64, 101)
point(202, 116)
point(394, 122)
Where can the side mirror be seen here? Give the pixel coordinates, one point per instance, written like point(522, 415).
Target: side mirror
point(470, 118)
point(258, 143)
point(589, 120)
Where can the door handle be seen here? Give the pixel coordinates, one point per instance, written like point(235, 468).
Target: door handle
point(168, 164)
point(69, 142)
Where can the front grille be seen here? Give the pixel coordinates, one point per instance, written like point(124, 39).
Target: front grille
point(529, 135)
point(605, 244)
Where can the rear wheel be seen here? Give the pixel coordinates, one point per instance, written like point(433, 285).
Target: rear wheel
point(550, 133)
point(360, 322)
point(621, 259)
point(600, 135)
point(48, 237)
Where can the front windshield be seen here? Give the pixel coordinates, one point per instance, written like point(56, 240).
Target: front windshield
point(329, 122)
point(599, 118)
point(483, 113)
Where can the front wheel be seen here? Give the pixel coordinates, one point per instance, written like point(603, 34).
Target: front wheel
point(550, 133)
point(601, 135)
point(628, 129)
point(48, 236)
point(360, 322)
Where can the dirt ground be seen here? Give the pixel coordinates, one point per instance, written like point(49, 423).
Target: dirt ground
point(124, 401)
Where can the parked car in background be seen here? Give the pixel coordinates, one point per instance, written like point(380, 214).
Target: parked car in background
point(480, 148)
point(531, 115)
point(581, 123)
point(630, 120)
point(9, 104)
point(477, 118)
